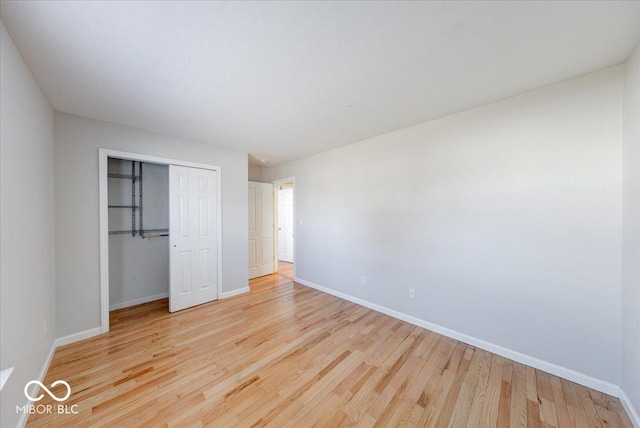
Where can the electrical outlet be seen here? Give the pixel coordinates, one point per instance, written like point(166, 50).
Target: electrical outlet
point(44, 328)
point(301, 222)
point(363, 280)
point(412, 292)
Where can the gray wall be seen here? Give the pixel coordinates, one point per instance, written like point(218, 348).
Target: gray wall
point(257, 173)
point(27, 291)
point(77, 141)
point(138, 268)
point(506, 219)
point(631, 231)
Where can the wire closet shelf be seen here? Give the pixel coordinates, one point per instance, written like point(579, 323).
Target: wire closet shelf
point(141, 231)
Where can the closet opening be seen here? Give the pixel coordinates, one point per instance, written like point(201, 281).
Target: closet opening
point(138, 196)
point(160, 232)
point(284, 203)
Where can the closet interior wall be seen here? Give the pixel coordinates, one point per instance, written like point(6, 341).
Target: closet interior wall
point(138, 258)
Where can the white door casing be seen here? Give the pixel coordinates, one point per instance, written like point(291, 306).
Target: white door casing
point(285, 224)
point(260, 229)
point(193, 236)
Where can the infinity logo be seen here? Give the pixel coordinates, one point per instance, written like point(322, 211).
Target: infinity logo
point(51, 394)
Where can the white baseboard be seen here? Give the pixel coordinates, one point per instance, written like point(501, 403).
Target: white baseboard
point(22, 421)
point(232, 293)
point(61, 341)
point(631, 411)
point(139, 301)
point(47, 363)
point(580, 378)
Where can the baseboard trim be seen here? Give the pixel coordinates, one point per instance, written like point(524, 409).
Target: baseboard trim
point(232, 293)
point(61, 341)
point(554, 369)
point(47, 363)
point(22, 421)
point(628, 407)
point(139, 301)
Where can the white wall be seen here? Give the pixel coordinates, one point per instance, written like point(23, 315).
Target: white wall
point(77, 141)
point(138, 268)
point(27, 291)
point(506, 219)
point(631, 232)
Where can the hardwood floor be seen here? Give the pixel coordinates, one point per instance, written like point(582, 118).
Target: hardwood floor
point(287, 355)
point(285, 269)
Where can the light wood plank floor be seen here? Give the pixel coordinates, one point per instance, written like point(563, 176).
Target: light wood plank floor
point(288, 355)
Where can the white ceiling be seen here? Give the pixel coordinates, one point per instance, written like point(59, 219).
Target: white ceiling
point(286, 80)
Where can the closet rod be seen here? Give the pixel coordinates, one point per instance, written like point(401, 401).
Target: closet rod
point(153, 233)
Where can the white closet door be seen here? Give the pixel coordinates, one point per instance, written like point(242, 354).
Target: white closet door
point(260, 229)
point(193, 236)
point(285, 224)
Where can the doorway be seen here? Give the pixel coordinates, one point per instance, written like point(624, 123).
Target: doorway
point(285, 222)
point(284, 207)
point(194, 237)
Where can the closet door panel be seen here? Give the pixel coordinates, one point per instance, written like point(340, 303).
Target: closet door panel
point(193, 201)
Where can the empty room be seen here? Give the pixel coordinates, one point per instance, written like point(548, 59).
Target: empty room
point(320, 214)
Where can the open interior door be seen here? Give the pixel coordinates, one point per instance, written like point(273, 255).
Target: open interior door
point(260, 229)
point(193, 236)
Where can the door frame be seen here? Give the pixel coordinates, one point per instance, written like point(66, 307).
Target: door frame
point(276, 183)
point(103, 158)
